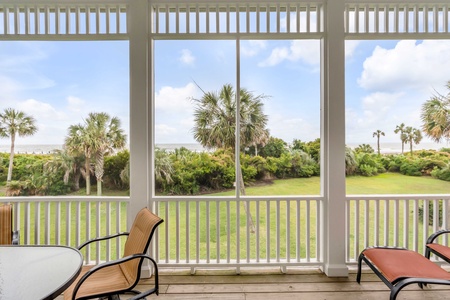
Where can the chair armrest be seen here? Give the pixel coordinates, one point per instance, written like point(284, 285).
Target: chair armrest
point(15, 237)
point(98, 239)
point(435, 235)
point(116, 262)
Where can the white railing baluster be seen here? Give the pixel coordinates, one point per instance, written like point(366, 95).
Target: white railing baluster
point(396, 221)
point(268, 231)
point(177, 231)
point(47, 223)
point(197, 232)
point(188, 229)
point(218, 232)
point(247, 231)
point(258, 232)
point(406, 223)
point(228, 231)
point(27, 225)
point(366, 223)
point(167, 230)
point(238, 231)
point(208, 233)
point(288, 231)
point(277, 232)
point(98, 221)
point(308, 231)
point(108, 230)
point(298, 251)
point(37, 228)
point(356, 229)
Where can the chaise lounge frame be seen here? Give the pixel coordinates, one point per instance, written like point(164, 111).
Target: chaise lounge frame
point(419, 269)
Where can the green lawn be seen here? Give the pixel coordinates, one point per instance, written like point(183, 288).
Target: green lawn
point(387, 183)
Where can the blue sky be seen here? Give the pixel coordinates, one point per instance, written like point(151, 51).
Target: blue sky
point(59, 83)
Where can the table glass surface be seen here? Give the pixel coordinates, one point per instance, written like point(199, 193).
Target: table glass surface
point(37, 272)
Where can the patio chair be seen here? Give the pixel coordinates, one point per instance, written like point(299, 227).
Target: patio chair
point(440, 250)
point(400, 267)
point(108, 280)
point(8, 236)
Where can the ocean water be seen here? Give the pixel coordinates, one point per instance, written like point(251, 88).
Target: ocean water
point(47, 149)
point(385, 148)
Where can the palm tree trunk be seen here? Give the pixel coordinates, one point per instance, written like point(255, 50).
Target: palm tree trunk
point(11, 158)
point(88, 175)
point(247, 210)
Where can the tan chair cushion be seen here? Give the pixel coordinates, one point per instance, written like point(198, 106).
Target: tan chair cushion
point(6, 224)
point(108, 279)
point(123, 276)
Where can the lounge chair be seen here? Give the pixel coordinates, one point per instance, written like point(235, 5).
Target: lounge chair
point(8, 236)
point(109, 279)
point(440, 250)
point(399, 267)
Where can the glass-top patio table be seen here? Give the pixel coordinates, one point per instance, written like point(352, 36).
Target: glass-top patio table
point(37, 272)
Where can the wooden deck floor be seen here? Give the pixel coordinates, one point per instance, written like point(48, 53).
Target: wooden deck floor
point(270, 284)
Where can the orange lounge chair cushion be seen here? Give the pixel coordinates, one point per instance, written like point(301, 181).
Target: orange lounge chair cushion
point(396, 264)
point(441, 249)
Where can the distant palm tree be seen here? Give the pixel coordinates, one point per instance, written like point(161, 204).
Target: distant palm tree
point(378, 134)
point(412, 135)
point(435, 117)
point(215, 123)
point(13, 123)
point(400, 129)
point(100, 135)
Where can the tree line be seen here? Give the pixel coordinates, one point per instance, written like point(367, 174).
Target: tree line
point(89, 145)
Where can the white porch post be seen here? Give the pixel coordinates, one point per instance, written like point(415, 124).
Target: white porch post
point(138, 29)
point(333, 167)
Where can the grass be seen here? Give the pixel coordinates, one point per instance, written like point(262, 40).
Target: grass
point(386, 183)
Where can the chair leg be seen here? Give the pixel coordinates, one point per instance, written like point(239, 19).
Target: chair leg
point(358, 275)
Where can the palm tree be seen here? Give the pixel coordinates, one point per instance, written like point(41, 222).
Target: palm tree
point(412, 135)
point(69, 163)
point(378, 134)
point(435, 116)
point(400, 129)
point(100, 135)
point(107, 136)
point(13, 123)
point(215, 122)
point(79, 142)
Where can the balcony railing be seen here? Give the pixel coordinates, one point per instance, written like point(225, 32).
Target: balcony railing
point(223, 232)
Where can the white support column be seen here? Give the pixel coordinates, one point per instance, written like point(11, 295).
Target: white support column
point(333, 127)
point(138, 28)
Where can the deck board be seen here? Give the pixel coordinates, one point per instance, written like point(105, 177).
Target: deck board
point(307, 285)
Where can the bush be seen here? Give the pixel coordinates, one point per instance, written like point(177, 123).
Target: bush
point(275, 147)
point(442, 174)
point(113, 167)
point(369, 164)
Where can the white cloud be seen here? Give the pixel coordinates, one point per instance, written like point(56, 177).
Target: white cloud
point(410, 65)
point(306, 51)
point(175, 100)
point(186, 57)
point(75, 104)
point(252, 47)
point(40, 110)
point(287, 128)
